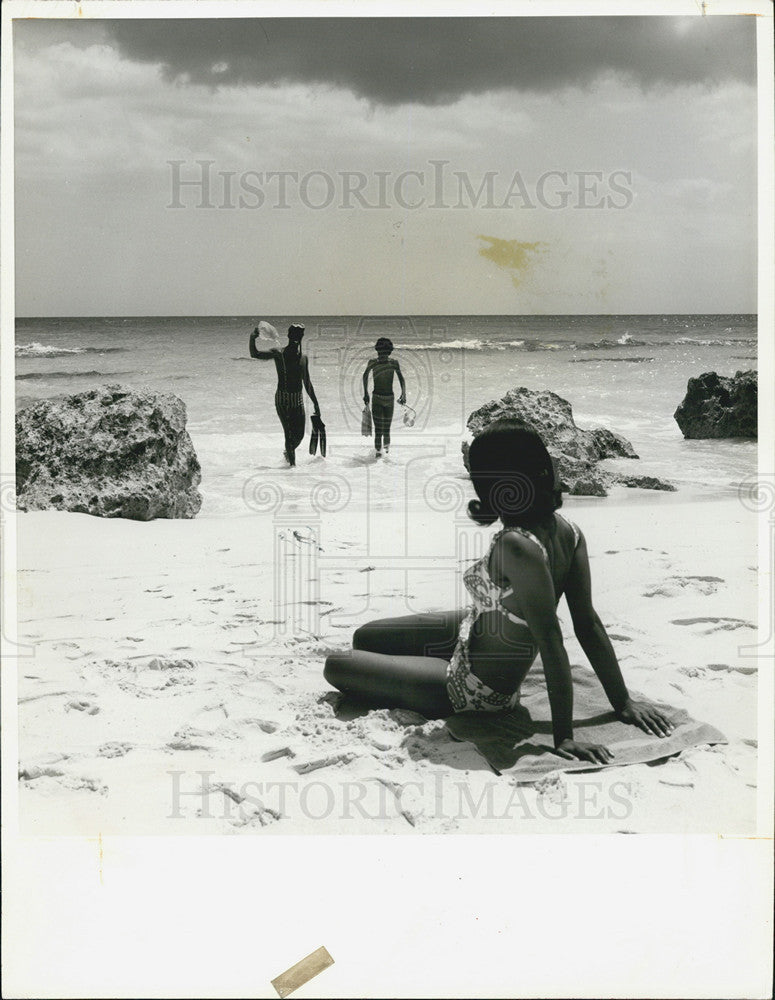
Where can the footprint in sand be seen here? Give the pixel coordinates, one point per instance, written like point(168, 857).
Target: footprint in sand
point(675, 585)
point(703, 584)
point(145, 678)
point(692, 671)
point(265, 725)
point(259, 688)
point(726, 668)
point(210, 718)
point(262, 816)
point(114, 749)
point(81, 705)
point(46, 767)
point(250, 813)
point(190, 738)
point(48, 780)
point(717, 624)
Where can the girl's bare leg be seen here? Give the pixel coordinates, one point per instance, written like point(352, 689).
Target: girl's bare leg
point(385, 681)
point(431, 634)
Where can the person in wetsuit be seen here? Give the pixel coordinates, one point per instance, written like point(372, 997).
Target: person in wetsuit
point(382, 368)
point(292, 373)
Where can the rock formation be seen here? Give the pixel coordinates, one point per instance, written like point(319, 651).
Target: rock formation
point(576, 452)
point(111, 452)
point(719, 407)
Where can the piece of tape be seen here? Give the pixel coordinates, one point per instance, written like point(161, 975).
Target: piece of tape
point(302, 972)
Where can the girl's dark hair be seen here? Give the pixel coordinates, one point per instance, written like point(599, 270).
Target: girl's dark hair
point(513, 475)
point(295, 336)
point(384, 346)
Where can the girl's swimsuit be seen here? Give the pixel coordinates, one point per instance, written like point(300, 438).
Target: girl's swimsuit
point(289, 402)
point(285, 400)
point(466, 691)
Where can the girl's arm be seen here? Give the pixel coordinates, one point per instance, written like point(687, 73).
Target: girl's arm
point(597, 647)
point(402, 397)
point(260, 355)
point(308, 383)
point(525, 568)
point(366, 382)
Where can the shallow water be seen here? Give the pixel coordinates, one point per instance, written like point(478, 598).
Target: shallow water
point(626, 372)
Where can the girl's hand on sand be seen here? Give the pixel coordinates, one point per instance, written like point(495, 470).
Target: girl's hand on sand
point(594, 752)
point(647, 717)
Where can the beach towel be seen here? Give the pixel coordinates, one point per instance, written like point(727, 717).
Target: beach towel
point(366, 421)
point(520, 741)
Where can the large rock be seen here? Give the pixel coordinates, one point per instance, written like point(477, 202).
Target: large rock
point(719, 407)
point(111, 452)
point(575, 452)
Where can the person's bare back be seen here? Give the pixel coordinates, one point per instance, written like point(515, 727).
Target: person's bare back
point(383, 370)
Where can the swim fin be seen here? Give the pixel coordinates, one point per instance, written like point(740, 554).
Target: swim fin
point(322, 438)
point(318, 436)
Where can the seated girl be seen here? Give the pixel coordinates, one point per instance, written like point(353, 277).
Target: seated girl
point(476, 659)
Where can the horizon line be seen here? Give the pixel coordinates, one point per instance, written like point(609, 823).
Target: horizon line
point(413, 315)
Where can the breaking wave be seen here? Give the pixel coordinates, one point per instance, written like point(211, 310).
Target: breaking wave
point(37, 350)
point(44, 376)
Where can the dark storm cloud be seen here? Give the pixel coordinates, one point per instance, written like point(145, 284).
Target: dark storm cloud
point(438, 60)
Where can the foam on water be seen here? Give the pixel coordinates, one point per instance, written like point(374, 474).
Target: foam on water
point(38, 350)
point(47, 376)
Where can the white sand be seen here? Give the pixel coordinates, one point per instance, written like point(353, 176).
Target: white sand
point(157, 666)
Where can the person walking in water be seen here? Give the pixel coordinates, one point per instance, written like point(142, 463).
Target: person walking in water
point(292, 373)
point(383, 367)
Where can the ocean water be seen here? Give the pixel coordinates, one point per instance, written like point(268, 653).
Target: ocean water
point(627, 373)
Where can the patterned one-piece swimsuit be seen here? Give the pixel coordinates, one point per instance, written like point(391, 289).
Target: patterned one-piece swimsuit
point(466, 691)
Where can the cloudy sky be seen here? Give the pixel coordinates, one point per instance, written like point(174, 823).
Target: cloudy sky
point(426, 166)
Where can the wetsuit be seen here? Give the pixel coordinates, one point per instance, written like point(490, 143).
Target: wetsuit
point(288, 399)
